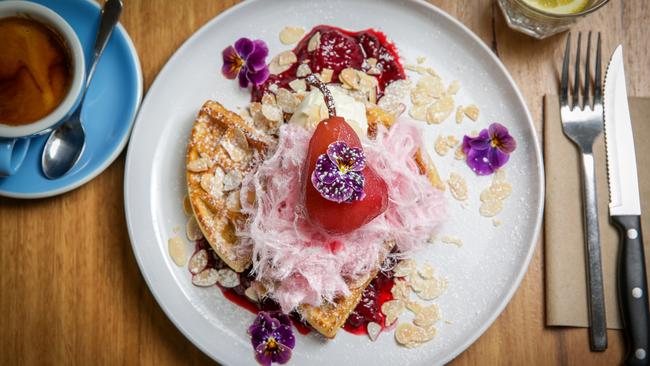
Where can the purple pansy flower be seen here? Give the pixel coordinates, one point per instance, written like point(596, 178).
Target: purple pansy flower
point(246, 60)
point(337, 175)
point(272, 337)
point(490, 150)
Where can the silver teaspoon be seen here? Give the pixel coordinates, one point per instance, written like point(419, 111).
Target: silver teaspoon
point(67, 142)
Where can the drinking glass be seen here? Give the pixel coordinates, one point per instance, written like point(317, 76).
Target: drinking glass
point(538, 23)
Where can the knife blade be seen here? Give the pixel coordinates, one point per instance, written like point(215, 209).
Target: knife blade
point(625, 212)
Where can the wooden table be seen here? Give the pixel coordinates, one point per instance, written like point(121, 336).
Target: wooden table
point(71, 292)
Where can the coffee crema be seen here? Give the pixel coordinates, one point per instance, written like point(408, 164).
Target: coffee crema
point(35, 70)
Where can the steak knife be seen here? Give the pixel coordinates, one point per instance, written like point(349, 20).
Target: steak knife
point(625, 213)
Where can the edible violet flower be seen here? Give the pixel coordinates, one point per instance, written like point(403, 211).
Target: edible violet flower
point(247, 61)
point(490, 150)
point(337, 175)
point(272, 337)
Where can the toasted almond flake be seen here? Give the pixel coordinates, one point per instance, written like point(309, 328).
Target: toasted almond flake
point(198, 165)
point(272, 112)
point(176, 248)
point(427, 316)
point(500, 175)
point(429, 289)
point(410, 336)
point(414, 306)
point(233, 203)
point(404, 268)
point(459, 154)
point(287, 58)
point(291, 35)
point(440, 110)
point(287, 100)
point(457, 187)
point(269, 99)
point(373, 330)
point(227, 278)
point(298, 85)
point(427, 89)
point(205, 278)
point(235, 143)
point(192, 229)
point(426, 272)
point(419, 112)
point(400, 290)
point(276, 68)
point(496, 222)
point(459, 114)
point(490, 208)
point(394, 95)
point(444, 144)
point(231, 180)
point(207, 181)
point(453, 88)
point(303, 70)
point(421, 59)
point(449, 239)
point(314, 42)
point(472, 112)
point(187, 206)
point(496, 192)
point(251, 293)
point(198, 261)
point(350, 78)
point(392, 309)
point(326, 75)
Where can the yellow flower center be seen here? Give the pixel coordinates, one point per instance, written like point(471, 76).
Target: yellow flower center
point(271, 346)
point(237, 62)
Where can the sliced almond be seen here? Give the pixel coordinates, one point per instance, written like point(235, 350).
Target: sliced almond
point(287, 100)
point(392, 309)
point(427, 316)
point(252, 294)
point(440, 110)
point(491, 208)
point(457, 187)
point(207, 181)
point(400, 290)
point(459, 154)
point(411, 336)
point(187, 206)
point(198, 165)
point(404, 268)
point(235, 144)
point(472, 112)
point(448, 239)
point(496, 192)
point(426, 272)
point(373, 330)
point(303, 70)
point(298, 85)
point(291, 35)
point(227, 278)
point(272, 112)
point(176, 248)
point(350, 78)
point(459, 114)
point(314, 42)
point(326, 75)
point(205, 278)
point(231, 181)
point(198, 261)
point(233, 203)
point(287, 58)
point(192, 229)
point(453, 88)
point(429, 289)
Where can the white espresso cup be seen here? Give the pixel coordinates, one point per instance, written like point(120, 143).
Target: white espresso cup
point(14, 139)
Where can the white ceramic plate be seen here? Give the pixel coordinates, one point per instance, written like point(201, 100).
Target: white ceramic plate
point(483, 273)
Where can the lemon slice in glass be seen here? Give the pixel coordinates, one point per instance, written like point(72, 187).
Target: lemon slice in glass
point(559, 6)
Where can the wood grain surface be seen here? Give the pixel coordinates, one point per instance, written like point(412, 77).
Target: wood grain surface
point(70, 289)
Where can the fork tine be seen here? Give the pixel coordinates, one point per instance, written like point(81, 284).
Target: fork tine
point(564, 81)
point(576, 76)
point(598, 87)
point(585, 94)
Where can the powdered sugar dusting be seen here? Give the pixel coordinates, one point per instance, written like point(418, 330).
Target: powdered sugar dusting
point(310, 266)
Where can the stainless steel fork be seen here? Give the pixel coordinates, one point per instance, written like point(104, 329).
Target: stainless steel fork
point(582, 122)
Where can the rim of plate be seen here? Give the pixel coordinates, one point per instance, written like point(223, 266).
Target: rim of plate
point(118, 148)
point(535, 143)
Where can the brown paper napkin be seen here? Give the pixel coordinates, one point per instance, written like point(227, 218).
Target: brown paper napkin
point(566, 287)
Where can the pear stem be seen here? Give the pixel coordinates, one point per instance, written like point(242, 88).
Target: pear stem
point(313, 80)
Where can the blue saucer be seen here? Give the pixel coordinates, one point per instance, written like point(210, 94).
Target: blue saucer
point(108, 111)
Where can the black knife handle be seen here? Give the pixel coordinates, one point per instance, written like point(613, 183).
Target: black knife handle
point(633, 289)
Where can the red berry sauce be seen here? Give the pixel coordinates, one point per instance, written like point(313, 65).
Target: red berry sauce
point(369, 308)
point(340, 49)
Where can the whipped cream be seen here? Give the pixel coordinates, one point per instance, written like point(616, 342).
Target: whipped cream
point(312, 110)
